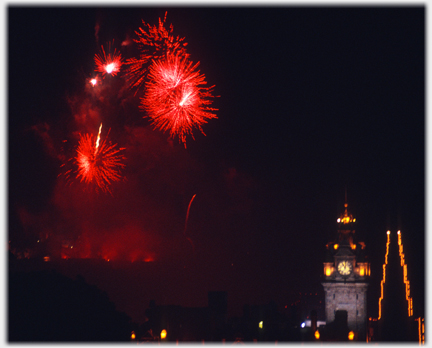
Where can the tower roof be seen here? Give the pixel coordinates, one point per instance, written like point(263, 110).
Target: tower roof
point(346, 218)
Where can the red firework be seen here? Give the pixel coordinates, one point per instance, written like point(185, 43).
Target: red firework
point(98, 163)
point(94, 81)
point(108, 64)
point(175, 99)
point(154, 42)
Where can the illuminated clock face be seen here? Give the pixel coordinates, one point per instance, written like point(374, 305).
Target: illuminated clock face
point(344, 267)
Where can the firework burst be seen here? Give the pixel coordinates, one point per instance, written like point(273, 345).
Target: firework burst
point(154, 42)
point(175, 98)
point(98, 162)
point(108, 63)
point(93, 81)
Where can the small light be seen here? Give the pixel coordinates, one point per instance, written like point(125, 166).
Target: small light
point(338, 220)
point(353, 246)
point(388, 232)
point(353, 220)
point(398, 232)
point(336, 246)
point(261, 324)
point(163, 334)
point(133, 335)
point(317, 335)
point(328, 271)
point(351, 335)
point(303, 325)
point(93, 82)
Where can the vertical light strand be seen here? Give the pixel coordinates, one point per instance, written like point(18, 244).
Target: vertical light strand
point(423, 338)
point(419, 330)
point(384, 275)
point(405, 273)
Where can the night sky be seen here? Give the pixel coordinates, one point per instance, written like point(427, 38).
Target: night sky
point(312, 101)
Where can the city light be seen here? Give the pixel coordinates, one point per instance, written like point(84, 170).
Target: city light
point(405, 273)
point(336, 246)
point(261, 324)
point(384, 274)
point(346, 218)
point(133, 335)
point(363, 269)
point(422, 337)
point(163, 334)
point(351, 335)
point(317, 335)
point(419, 319)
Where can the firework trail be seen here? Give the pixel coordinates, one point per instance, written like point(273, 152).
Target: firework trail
point(98, 163)
point(175, 99)
point(186, 221)
point(154, 42)
point(108, 64)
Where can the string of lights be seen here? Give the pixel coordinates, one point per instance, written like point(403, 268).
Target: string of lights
point(384, 275)
point(405, 273)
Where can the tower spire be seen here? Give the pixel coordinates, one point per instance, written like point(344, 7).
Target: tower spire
point(346, 217)
point(345, 195)
point(346, 203)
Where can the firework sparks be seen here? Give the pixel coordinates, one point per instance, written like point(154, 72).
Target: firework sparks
point(108, 64)
point(98, 163)
point(154, 42)
point(175, 98)
point(98, 139)
point(94, 81)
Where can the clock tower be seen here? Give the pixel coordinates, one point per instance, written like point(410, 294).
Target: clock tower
point(345, 278)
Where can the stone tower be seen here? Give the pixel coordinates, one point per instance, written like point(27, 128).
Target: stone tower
point(345, 278)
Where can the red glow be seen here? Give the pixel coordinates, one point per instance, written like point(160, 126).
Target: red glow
point(93, 81)
point(126, 244)
point(154, 42)
point(174, 98)
point(98, 163)
point(135, 255)
point(108, 64)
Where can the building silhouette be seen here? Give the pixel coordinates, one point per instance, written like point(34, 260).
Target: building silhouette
point(345, 282)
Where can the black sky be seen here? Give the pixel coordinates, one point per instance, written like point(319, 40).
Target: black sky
point(313, 100)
